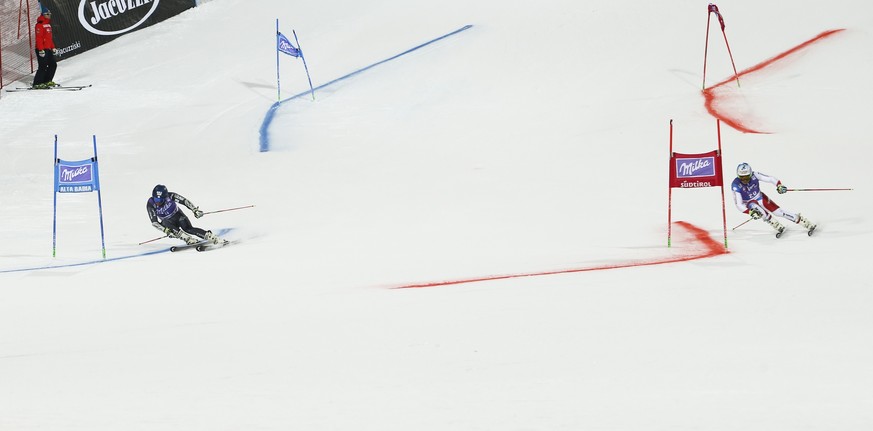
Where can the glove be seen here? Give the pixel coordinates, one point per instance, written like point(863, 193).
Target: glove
point(755, 213)
point(167, 231)
point(55, 52)
point(198, 213)
point(41, 53)
point(781, 189)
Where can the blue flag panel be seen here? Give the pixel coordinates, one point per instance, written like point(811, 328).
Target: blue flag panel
point(76, 177)
point(284, 45)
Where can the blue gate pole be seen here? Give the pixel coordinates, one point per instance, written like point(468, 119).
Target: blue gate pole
point(278, 81)
point(305, 67)
point(55, 203)
point(99, 199)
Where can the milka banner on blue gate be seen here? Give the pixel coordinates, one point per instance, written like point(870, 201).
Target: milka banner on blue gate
point(80, 176)
point(77, 177)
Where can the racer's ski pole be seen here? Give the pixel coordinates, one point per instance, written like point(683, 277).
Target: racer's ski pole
point(155, 239)
point(228, 209)
point(815, 190)
point(735, 227)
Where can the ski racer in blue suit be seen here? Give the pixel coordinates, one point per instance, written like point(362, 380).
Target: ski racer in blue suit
point(749, 199)
point(167, 217)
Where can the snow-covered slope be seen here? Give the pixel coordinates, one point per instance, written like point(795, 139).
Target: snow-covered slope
point(535, 142)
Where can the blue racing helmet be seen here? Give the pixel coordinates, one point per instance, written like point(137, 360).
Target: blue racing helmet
point(159, 193)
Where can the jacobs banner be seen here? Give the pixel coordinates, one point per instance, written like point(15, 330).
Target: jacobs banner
point(80, 25)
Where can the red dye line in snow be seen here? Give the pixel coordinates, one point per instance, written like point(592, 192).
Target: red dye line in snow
point(707, 247)
point(710, 96)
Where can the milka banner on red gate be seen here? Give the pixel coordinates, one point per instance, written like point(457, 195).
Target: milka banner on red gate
point(690, 171)
point(694, 171)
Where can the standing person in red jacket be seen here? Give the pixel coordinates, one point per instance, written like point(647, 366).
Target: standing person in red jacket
point(45, 51)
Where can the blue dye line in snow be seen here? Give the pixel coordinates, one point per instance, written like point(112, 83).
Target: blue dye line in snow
point(265, 140)
point(220, 232)
point(92, 262)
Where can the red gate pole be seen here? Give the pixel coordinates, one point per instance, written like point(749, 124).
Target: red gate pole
point(720, 168)
point(706, 48)
point(731, 56)
point(670, 190)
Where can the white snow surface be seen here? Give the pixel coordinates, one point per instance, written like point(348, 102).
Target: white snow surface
point(536, 141)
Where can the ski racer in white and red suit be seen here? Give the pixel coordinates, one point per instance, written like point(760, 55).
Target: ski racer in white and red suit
point(749, 199)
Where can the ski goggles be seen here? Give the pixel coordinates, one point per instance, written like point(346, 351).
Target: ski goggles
point(745, 178)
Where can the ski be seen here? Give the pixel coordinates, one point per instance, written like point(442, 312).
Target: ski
point(808, 233)
point(71, 87)
point(212, 246)
point(15, 90)
point(187, 246)
point(201, 245)
point(58, 88)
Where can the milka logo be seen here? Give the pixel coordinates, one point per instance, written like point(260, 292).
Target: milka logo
point(105, 10)
point(285, 45)
point(78, 174)
point(696, 167)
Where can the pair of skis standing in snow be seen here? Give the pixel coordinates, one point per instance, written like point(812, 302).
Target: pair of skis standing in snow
point(750, 200)
point(166, 215)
